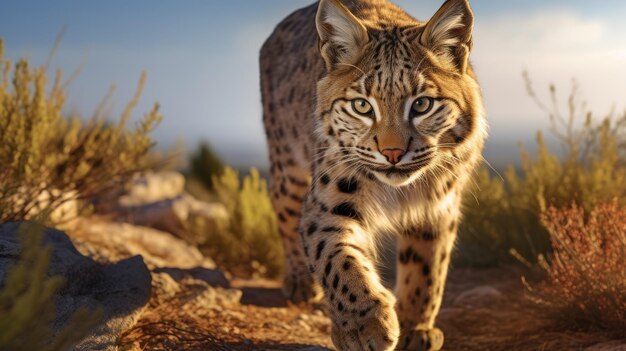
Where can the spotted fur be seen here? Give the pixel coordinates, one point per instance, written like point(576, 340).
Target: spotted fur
point(340, 175)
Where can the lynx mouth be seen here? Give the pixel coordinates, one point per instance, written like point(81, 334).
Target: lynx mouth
point(405, 171)
point(393, 170)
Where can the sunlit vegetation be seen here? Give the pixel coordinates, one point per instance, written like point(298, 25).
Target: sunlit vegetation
point(503, 214)
point(560, 213)
point(27, 307)
point(205, 164)
point(586, 287)
point(248, 243)
point(48, 159)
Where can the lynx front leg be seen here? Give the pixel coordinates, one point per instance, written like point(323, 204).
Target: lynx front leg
point(337, 249)
point(423, 258)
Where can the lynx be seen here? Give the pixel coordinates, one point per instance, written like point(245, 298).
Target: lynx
point(374, 122)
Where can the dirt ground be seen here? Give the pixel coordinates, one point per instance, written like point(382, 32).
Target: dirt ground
point(482, 310)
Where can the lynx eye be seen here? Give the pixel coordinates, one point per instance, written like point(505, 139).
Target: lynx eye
point(362, 107)
point(421, 106)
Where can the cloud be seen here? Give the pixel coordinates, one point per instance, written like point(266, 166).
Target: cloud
point(556, 46)
point(549, 31)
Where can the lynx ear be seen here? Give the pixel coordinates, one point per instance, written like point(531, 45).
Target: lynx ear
point(342, 35)
point(449, 33)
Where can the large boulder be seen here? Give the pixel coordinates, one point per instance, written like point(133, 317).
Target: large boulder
point(159, 200)
point(111, 241)
point(120, 290)
point(173, 214)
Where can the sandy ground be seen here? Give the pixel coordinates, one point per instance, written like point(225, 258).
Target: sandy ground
point(254, 316)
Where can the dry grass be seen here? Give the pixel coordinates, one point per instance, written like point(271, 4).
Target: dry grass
point(527, 216)
point(201, 318)
point(586, 287)
point(171, 335)
point(590, 169)
point(46, 159)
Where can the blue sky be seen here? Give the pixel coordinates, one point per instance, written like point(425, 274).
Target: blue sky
point(201, 59)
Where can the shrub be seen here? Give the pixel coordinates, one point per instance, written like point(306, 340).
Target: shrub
point(586, 285)
point(46, 159)
point(205, 164)
point(502, 214)
point(249, 243)
point(27, 309)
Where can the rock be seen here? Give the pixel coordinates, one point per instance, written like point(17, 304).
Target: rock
point(172, 215)
point(208, 296)
point(479, 297)
point(158, 200)
point(107, 241)
point(121, 290)
point(229, 296)
point(153, 187)
point(164, 287)
point(202, 297)
point(168, 215)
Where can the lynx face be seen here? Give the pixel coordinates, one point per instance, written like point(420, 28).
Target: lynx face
point(395, 102)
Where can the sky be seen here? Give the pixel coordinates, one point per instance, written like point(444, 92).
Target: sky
point(201, 57)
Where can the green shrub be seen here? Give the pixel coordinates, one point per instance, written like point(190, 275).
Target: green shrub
point(46, 159)
point(249, 243)
point(502, 214)
point(27, 307)
point(205, 164)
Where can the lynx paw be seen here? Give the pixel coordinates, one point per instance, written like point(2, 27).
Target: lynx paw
point(421, 340)
point(377, 331)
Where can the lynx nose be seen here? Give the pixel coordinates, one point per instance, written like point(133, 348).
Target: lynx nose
point(393, 155)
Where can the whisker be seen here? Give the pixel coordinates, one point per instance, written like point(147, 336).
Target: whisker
point(492, 168)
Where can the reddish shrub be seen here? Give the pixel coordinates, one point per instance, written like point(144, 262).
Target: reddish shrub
point(586, 285)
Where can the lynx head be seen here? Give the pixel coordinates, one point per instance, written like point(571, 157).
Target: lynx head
point(399, 96)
